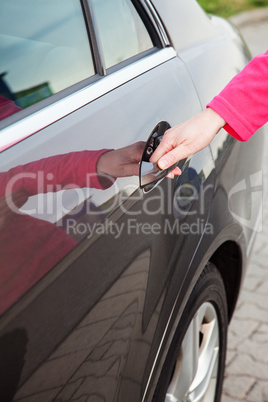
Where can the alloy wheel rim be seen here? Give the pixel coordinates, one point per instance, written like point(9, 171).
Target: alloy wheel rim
point(195, 373)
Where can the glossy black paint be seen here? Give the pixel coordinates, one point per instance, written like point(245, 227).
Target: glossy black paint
point(98, 324)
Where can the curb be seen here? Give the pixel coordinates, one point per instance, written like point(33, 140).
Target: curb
point(249, 17)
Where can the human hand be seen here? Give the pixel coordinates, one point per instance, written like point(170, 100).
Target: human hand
point(186, 139)
point(121, 162)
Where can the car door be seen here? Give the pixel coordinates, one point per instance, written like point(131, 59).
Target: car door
point(86, 260)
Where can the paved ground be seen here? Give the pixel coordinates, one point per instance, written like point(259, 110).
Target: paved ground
point(246, 377)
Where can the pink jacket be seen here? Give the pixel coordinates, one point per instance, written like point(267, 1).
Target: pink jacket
point(243, 103)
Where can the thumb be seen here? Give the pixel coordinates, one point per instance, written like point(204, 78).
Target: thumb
point(170, 158)
point(163, 148)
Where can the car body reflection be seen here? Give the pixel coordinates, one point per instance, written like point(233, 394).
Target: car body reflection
point(31, 246)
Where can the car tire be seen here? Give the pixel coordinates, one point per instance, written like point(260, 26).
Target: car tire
point(195, 362)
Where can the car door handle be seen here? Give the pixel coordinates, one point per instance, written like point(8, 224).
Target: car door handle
point(150, 174)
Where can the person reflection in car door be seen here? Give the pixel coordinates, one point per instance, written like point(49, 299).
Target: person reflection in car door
point(30, 247)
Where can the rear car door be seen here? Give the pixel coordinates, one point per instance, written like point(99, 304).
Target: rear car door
point(85, 261)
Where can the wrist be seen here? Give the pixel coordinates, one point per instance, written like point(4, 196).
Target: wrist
point(103, 169)
point(104, 163)
point(216, 121)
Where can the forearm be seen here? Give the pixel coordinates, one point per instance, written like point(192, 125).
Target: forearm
point(75, 169)
point(243, 103)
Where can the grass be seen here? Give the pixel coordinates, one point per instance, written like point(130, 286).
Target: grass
point(226, 8)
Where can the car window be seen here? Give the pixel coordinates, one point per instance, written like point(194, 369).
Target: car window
point(44, 49)
point(121, 30)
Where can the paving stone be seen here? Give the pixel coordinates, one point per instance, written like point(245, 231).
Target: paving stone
point(261, 336)
point(261, 241)
point(249, 33)
point(226, 398)
point(261, 238)
point(252, 312)
point(258, 393)
point(242, 329)
point(258, 300)
point(230, 355)
point(244, 365)
point(257, 351)
point(233, 341)
point(251, 283)
point(259, 263)
point(238, 387)
point(265, 392)
point(263, 288)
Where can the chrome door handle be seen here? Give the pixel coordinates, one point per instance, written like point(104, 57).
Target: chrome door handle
point(150, 174)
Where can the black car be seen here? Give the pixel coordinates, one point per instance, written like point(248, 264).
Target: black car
point(117, 283)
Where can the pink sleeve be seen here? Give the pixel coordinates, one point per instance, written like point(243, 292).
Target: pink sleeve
point(243, 103)
point(72, 170)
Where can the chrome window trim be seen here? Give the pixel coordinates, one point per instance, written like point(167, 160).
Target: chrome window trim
point(35, 122)
point(95, 37)
point(156, 21)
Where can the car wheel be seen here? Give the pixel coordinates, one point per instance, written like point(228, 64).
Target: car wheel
point(194, 367)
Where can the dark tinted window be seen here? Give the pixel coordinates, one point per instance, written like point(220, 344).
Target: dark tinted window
point(121, 30)
point(44, 49)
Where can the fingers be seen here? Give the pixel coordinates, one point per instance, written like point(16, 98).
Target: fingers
point(169, 159)
point(171, 149)
point(165, 146)
point(175, 172)
point(187, 138)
